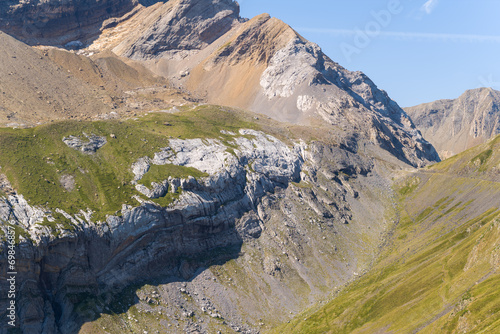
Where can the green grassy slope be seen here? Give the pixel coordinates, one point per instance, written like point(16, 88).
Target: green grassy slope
point(441, 270)
point(38, 163)
point(35, 160)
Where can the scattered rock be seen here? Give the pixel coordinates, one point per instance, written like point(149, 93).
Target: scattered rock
point(88, 147)
point(68, 182)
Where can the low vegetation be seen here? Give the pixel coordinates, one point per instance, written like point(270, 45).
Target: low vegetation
point(441, 269)
point(36, 159)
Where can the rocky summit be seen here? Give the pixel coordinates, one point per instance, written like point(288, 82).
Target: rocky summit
point(261, 65)
point(172, 167)
point(454, 126)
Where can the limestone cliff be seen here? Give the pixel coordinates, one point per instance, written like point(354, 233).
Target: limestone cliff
point(298, 209)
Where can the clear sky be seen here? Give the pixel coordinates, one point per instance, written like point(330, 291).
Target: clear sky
point(417, 50)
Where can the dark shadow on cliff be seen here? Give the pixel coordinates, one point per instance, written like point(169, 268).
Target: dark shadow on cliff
point(79, 277)
point(74, 303)
point(88, 307)
point(81, 20)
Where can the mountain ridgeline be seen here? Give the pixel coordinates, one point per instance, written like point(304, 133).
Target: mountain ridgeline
point(261, 65)
point(169, 166)
point(454, 126)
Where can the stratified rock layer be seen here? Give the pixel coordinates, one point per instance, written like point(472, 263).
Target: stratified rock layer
point(290, 201)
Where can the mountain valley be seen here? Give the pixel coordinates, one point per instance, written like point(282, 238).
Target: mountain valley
point(172, 167)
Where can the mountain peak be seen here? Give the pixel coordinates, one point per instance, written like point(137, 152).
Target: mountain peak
point(205, 47)
point(453, 126)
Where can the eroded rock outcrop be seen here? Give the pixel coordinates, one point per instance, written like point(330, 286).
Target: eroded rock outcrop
point(58, 22)
point(182, 25)
point(88, 146)
point(260, 182)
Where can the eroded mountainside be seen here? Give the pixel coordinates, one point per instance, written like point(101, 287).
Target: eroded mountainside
point(454, 126)
point(263, 65)
point(138, 206)
point(217, 221)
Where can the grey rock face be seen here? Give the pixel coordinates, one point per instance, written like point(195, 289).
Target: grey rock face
point(140, 167)
point(57, 22)
point(183, 25)
point(157, 189)
point(242, 193)
point(5, 185)
point(88, 147)
point(206, 216)
point(249, 226)
point(301, 77)
point(453, 126)
point(289, 68)
point(256, 153)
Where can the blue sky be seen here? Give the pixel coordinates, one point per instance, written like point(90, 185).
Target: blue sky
point(417, 50)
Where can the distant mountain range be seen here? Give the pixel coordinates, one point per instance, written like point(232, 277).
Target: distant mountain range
point(453, 126)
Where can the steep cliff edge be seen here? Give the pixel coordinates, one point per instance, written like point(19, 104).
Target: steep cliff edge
point(99, 207)
point(454, 126)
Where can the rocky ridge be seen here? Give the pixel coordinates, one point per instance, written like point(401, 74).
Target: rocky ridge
point(454, 126)
point(263, 65)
